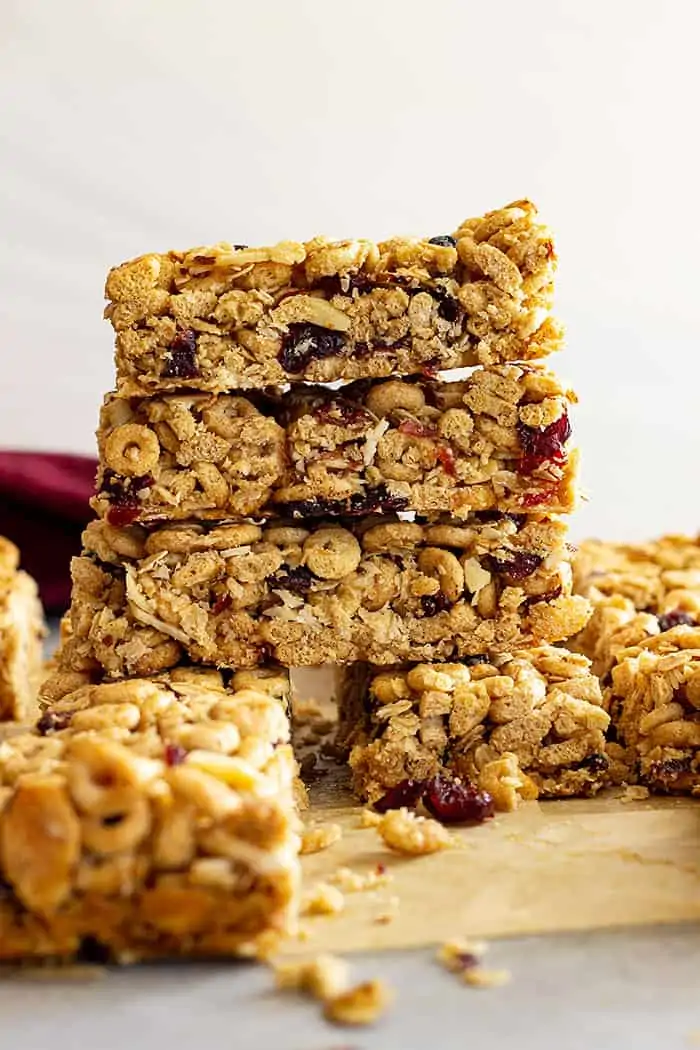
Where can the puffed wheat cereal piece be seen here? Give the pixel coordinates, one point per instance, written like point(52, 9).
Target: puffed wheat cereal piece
point(152, 817)
point(516, 726)
point(377, 589)
point(22, 630)
point(231, 317)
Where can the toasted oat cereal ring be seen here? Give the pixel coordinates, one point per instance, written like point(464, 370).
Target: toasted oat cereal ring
point(285, 535)
point(224, 413)
point(120, 831)
point(132, 449)
point(332, 553)
point(402, 534)
point(386, 397)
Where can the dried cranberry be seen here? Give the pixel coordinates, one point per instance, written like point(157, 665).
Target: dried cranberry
point(297, 580)
point(537, 499)
point(456, 801)
point(518, 567)
point(430, 369)
point(542, 444)
point(444, 241)
point(674, 619)
point(52, 722)
point(547, 596)
point(488, 516)
point(435, 603)
point(181, 361)
point(304, 343)
point(376, 500)
point(222, 603)
point(447, 460)
point(415, 429)
point(93, 951)
point(174, 755)
point(122, 494)
point(341, 411)
point(596, 763)
point(479, 658)
point(380, 869)
point(408, 793)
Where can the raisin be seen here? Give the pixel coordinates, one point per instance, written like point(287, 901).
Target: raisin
point(674, 619)
point(339, 411)
point(435, 603)
point(596, 763)
point(93, 951)
point(543, 444)
point(518, 567)
point(456, 801)
point(297, 580)
point(447, 460)
point(305, 343)
point(449, 308)
point(52, 722)
point(222, 603)
point(408, 793)
point(122, 493)
point(174, 755)
point(488, 516)
point(547, 596)
point(181, 362)
point(471, 661)
point(377, 500)
point(444, 241)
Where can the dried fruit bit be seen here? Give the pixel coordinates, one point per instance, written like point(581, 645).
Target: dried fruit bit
point(323, 899)
point(517, 567)
point(350, 881)
point(305, 343)
point(323, 978)
point(457, 956)
point(181, 359)
point(376, 500)
point(447, 460)
point(456, 801)
point(542, 445)
point(479, 978)
point(675, 618)
point(404, 832)
point(407, 793)
point(319, 837)
point(52, 723)
point(435, 603)
point(175, 755)
point(361, 1005)
point(444, 241)
point(298, 580)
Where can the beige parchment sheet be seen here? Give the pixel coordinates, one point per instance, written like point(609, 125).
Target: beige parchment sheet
point(548, 867)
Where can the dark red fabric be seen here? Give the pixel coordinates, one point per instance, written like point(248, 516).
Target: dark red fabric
point(43, 509)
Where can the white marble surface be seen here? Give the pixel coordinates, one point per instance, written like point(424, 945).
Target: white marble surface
point(628, 990)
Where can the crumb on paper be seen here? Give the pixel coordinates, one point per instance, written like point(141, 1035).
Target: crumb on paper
point(459, 955)
point(350, 881)
point(634, 793)
point(407, 833)
point(477, 977)
point(317, 837)
point(390, 912)
point(369, 819)
point(323, 977)
point(361, 1005)
point(323, 899)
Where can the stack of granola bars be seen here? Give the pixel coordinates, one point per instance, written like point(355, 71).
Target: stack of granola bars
point(250, 518)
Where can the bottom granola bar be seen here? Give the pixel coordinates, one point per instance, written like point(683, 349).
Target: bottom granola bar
point(654, 703)
point(532, 721)
point(21, 633)
point(148, 818)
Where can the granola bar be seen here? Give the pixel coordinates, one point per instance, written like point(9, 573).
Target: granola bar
point(377, 589)
point(535, 715)
point(497, 439)
point(233, 317)
point(654, 703)
point(150, 817)
point(22, 631)
point(637, 590)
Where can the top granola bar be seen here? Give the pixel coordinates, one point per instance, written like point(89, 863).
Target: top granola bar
point(230, 316)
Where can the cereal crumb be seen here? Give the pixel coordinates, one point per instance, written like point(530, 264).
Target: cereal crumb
point(361, 1005)
point(404, 832)
point(506, 783)
point(480, 978)
point(634, 793)
point(325, 977)
point(323, 899)
point(317, 837)
point(369, 819)
point(391, 912)
point(350, 881)
point(457, 956)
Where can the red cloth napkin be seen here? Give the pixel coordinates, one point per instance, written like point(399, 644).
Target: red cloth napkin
point(43, 509)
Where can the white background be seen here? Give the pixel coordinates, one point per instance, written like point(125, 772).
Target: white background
point(136, 125)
